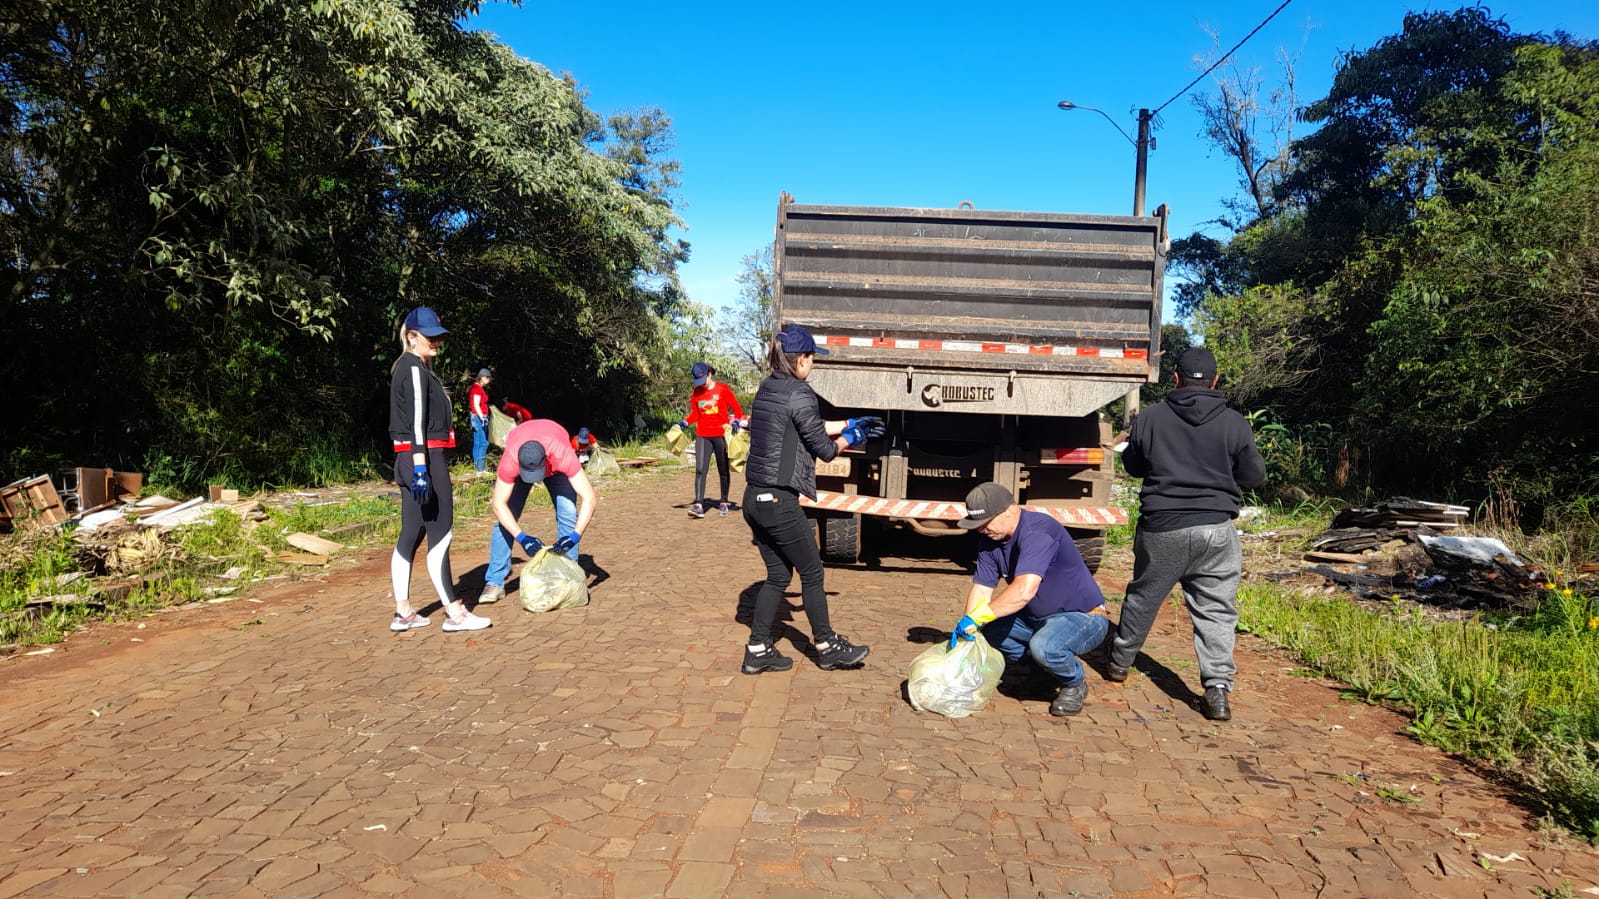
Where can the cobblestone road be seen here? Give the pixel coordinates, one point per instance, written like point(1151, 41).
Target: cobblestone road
point(287, 745)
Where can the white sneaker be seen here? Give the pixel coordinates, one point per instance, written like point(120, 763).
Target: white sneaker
point(400, 625)
point(492, 593)
point(467, 622)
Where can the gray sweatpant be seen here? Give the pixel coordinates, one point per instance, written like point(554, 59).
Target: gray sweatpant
point(1207, 561)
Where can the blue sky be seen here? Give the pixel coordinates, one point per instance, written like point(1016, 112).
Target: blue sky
point(933, 103)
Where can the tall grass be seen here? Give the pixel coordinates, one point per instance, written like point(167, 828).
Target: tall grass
point(1520, 695)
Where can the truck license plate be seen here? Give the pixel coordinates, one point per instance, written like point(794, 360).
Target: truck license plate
point(838, 468)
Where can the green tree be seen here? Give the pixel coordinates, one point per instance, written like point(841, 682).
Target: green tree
point(215, 212)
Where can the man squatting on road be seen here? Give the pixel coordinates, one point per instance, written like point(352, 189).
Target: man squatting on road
point(1195, 456)
point(1051, 609)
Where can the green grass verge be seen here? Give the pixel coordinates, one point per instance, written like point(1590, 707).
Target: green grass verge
point(1519, 695)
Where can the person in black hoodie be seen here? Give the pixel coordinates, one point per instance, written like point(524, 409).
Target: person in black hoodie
point(1195, 456)
point(787, 436)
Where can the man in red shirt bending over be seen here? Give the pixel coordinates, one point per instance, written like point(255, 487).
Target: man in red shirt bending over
point(712, 407)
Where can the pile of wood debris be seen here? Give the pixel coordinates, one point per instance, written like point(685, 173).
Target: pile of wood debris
point(1393, 550)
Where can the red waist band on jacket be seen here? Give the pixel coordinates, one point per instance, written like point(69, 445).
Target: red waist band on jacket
point(404, 446)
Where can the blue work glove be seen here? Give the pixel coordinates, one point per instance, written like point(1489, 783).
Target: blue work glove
point(530, 544)
point(971, 623)
point(965, 629)
point(683, 424)
point(566, 544)
point(735, 426)
point(870, 425)
point(421, 487)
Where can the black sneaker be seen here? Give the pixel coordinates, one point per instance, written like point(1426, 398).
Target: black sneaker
point(696, 511)
point(840, 653)
point(1069, 701)
point(1214, 705)
point(768, 659)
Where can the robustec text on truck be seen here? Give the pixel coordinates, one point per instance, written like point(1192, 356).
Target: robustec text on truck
point(988, 342)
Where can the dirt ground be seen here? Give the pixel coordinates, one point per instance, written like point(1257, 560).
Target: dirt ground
point(285, 743)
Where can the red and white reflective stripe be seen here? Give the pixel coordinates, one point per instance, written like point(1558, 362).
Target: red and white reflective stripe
point(1079, 456)
point(942, 511)
point(969, 346)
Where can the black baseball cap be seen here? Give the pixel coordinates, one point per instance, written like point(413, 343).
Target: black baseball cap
point(985, 501)
point(1196, 364)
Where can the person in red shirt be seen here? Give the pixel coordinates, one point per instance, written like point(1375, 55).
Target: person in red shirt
point(477, 408)
point(518, 412)
point(712, 407)
point(584, 443)
point(537, 451)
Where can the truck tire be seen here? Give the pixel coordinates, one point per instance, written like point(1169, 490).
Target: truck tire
point(1092, 546)
point(839, 537)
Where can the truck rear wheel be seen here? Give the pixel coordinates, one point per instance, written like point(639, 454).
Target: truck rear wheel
point(839, 537)
point(1091, 544)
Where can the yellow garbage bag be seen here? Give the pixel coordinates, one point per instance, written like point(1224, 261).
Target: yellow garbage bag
point(955, 682)
point(677, 440)
point(500, 424)
point(551, 581)
point(601, 463)
point(738, 449)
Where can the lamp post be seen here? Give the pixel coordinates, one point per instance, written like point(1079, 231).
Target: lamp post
point(1141, 145)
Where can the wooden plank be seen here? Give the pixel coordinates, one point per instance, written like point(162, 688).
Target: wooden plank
point(1336, 557)
point(303, 559)
point(32, 502)
point(313, 544)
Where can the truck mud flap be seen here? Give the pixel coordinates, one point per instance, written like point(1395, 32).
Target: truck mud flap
point(1092, 518)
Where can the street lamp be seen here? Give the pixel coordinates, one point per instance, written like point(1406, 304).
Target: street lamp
point(1142, 145)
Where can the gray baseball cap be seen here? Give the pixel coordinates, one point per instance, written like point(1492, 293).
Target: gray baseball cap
point(984, 502)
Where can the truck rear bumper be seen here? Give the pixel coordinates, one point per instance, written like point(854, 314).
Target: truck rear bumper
point(847, 504)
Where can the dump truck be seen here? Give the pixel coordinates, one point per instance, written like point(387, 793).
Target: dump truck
point(989, 342)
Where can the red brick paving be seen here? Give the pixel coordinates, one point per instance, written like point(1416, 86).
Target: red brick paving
point(616, 752)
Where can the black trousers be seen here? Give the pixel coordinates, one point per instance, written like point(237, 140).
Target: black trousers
point(703, 448)
point(787, 542)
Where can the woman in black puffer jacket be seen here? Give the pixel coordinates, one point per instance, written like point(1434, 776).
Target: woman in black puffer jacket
point(787, 436)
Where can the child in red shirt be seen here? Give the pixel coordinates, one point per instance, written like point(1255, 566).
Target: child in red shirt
point(712, 407)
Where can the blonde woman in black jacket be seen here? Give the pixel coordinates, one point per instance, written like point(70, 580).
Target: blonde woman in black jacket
point(420, 425)
point(787, 436)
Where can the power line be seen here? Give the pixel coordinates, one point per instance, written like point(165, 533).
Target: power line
point(1224, 56)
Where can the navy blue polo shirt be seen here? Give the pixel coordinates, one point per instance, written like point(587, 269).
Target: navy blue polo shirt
point(1040, 546)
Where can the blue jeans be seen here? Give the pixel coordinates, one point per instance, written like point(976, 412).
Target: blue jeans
point(480, 442)
point(1054, 644)
point(565, 525)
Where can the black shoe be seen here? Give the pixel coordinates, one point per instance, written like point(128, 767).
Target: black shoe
point(768, 659)
point(1115, 673)
point(1069, 701)
point(840, 653)
point(1214, 705)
